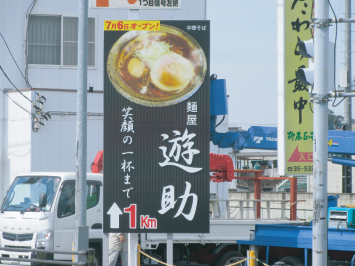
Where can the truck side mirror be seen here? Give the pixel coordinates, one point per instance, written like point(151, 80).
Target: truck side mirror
point(42, 200)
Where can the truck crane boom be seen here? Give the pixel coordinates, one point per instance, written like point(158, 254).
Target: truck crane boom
point(265, 138)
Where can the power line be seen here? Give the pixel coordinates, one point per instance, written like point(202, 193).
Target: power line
point(33, 116)
point(19, 105)
point(340, 3)
point(8, 48)
point(39, 99)
point(6, 76)
point(335, 45)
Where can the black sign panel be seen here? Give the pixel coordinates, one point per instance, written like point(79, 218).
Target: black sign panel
point(156, 126)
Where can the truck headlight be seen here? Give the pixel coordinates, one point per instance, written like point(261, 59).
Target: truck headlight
point(44, 240)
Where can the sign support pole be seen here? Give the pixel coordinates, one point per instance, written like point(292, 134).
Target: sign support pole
point(169, 248)
point(105, 249)
point(132, 244)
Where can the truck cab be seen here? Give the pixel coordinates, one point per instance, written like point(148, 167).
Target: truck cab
point(38, 212)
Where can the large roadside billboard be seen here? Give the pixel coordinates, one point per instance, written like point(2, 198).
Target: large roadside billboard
point(295, 141)
point(156, 126)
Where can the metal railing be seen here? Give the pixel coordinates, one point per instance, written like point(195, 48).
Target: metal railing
point(89, 253)
point(242, 207)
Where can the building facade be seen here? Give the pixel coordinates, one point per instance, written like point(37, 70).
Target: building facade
point(38, 58)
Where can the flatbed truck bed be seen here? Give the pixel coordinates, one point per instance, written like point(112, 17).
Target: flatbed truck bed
point(221, 231)
point(282, 237)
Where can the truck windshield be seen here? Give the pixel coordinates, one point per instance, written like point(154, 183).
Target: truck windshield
point(24, 193)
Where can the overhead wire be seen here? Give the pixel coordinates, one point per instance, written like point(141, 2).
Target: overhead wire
point(335, 45)
point(220, 122)
point(37, 97)
point(39, 110)
point(33, 115)
point(19, 105)
point(8, 48)
point(7, 77)
point(334, 53)
point(340, 2)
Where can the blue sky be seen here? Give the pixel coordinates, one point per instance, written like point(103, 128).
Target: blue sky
point(244, 52)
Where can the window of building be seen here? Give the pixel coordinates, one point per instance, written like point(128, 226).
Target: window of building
point(53, 40)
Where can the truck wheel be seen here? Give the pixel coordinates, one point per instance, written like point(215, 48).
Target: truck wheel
point(292, 261)
point(229, 257)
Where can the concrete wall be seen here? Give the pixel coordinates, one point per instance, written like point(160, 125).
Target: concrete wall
point(54, 145)
point(334, 179)
point(18, 134)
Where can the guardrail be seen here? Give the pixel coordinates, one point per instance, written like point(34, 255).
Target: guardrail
point(256, 176)
point(241, 207)
point(89, 253)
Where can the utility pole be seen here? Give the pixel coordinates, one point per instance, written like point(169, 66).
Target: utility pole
point(347, 64)
point(81, 230)
point(3, 148)
point(347, 171)
point(320, 149)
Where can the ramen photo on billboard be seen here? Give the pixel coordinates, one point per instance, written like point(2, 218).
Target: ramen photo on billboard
point(156, 68)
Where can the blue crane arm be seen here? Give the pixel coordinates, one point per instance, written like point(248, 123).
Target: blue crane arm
point(254, 138)
point(341, 142)
point(343, 161)
point(265, 138)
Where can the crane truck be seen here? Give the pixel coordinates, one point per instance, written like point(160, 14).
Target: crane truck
point(38, 212)
point(276, 241)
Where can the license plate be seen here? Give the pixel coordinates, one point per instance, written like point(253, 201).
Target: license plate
point(14, 256)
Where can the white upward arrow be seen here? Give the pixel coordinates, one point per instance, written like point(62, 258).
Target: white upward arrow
point(114, 213)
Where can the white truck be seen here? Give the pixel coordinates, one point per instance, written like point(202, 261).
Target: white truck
point(38, 212)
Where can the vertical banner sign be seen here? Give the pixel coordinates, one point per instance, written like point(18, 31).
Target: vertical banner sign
point(299, 116)
point(156, 126)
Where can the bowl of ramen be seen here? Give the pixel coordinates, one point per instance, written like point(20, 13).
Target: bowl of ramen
point(156, 68)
